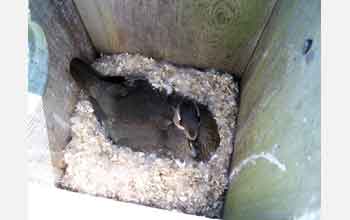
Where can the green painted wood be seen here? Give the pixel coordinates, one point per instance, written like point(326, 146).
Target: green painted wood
point(38, 59)
point(279, 121)
point(206, 33)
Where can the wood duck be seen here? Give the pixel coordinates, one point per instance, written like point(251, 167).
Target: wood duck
point(142, 118)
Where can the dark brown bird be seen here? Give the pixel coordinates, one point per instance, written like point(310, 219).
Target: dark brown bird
point(135, 116)
point(140, 117)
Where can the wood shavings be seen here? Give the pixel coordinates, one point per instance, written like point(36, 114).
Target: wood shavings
point(96, 166)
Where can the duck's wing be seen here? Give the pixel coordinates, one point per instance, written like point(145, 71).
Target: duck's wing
point(208, 138)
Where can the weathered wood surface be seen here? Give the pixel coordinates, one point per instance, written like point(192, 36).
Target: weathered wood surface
point(37, 144)
point(66, 38)
point(206, 33)
point(277, 147)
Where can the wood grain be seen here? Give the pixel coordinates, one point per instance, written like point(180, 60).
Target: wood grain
point(220, 33)
point(280, 117)
point(66, 38)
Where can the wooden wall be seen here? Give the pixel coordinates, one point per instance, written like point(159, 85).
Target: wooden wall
point(206, 33)
point(277, 147)
point(66, 38)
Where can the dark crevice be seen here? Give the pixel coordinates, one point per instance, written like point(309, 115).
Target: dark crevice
point(259, 39)
point(307, 46)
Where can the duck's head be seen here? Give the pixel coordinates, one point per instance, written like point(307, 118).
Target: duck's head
point(187, 118)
